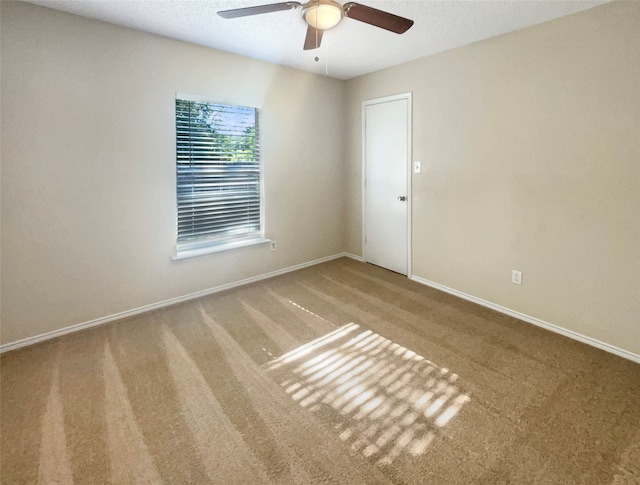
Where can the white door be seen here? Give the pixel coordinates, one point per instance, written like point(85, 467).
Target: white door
point(387, 141)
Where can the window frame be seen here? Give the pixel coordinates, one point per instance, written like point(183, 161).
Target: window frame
point(202, 247)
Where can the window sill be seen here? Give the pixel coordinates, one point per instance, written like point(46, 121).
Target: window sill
point(218, 248)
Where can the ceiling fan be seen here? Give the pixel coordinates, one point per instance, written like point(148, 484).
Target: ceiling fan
point(322, 15)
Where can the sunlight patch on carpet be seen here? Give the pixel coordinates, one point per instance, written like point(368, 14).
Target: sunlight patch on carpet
point(386, 399)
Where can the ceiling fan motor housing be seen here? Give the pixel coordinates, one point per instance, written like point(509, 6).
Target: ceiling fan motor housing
point(322, 14)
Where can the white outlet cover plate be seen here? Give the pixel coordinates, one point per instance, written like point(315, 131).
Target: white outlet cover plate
point(516, 277)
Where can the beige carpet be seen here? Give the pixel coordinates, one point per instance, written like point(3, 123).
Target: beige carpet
point(339, 373)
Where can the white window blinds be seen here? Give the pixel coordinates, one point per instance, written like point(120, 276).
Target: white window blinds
point(218, 172)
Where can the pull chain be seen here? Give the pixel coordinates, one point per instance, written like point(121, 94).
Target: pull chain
point(326, 58)
point(326, 55)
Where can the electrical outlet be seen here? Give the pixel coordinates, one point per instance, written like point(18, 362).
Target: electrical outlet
point(417, 167)
point(273, 245)
point(516, 277)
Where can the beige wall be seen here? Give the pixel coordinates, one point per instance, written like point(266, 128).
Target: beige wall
point(530, 147)
point(88, 167)
point(529, 143)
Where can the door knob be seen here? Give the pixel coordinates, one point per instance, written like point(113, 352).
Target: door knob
point(402, 198)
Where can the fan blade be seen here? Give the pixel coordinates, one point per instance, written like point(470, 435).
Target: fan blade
point(313, 39)
point(244, 12)
point(378, 18)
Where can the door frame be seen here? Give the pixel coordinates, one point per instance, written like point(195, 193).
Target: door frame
point(395, 97)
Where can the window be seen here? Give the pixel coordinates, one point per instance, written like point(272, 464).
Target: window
point(218, 177)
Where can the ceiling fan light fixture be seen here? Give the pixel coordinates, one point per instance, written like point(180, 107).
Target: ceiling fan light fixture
point(323, 16)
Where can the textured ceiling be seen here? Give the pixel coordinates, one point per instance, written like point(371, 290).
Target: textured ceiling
point(350, 49)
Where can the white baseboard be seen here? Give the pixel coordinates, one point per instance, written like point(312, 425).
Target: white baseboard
point(154, 306)
point(535, 321)
point(172, 301)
